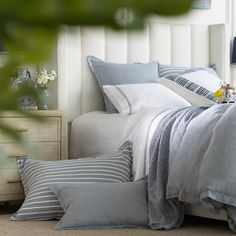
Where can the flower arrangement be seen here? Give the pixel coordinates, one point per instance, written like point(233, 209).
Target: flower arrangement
point(218, 93)
point(225, 93)
point(45, 78)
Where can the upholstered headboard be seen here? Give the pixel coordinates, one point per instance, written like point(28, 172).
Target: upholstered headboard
point(183, 45)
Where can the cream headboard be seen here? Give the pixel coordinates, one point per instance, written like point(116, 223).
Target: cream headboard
point(183, 45)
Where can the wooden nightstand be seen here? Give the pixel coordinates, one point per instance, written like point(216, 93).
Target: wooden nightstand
point(45, 140)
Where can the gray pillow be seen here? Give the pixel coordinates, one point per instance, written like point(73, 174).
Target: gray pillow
point(42, 204)
point(102, 205)
point(116, 74)
point(169, 70)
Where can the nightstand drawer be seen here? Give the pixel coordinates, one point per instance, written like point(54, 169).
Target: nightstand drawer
point(9, 176)
point(48, 130)
point(10, 182)
point(16, 189)
point(37, 151)
point(46, 140)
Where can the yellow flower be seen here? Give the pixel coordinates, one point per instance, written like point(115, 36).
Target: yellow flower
point(218, 93)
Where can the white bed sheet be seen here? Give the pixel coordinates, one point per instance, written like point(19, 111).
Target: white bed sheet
point(99, 132)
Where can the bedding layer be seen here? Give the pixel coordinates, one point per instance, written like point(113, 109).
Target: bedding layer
point(201, 151)
point(165, 144)
point(199, 165)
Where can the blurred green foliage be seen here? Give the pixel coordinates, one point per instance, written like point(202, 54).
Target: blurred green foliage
point(29, 29)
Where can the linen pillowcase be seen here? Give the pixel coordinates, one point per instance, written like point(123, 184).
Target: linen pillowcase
point(42, 204)
point(102, 205)
point(197, 87)
point(169, 70)
point(116, 74)
point(131, 98)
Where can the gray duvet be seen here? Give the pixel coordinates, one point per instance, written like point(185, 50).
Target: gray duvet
point(193, 160)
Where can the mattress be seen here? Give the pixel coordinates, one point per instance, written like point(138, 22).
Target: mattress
point(99, 132)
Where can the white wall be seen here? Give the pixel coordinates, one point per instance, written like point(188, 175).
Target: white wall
point(232, 19)
point(216, 15)
point(52, 64)
point(220, 13)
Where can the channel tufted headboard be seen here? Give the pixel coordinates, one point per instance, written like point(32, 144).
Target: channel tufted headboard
point(183, 45)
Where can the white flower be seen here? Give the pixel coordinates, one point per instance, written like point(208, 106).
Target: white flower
point(51, 77)
point(39, 81)
point(53, 72)
point(44, 79)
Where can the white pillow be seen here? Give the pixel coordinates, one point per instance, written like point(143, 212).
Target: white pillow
point(197, 87)
point(205, 79)
point(131, 98)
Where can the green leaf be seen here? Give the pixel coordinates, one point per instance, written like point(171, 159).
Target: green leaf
point(29, 29)
point(10, 132)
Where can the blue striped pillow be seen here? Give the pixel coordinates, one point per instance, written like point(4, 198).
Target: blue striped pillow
point(193, 87)
point(42, 204)
point(169, 70)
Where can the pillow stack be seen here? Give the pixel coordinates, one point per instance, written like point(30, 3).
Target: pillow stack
point(128, 88)
point(84, 193)
point(37, 177)
point(117, 74)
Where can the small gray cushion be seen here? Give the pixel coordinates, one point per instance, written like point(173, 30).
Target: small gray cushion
point(116, 74)
point(102, 205)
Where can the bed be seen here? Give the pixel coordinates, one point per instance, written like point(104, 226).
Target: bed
point(88, 131)
point(81, 98)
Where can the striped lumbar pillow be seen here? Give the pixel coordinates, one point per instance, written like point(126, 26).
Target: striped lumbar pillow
point(42, 204)
point(195, 88)
point(201, 84)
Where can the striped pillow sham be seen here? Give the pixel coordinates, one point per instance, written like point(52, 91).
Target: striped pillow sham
point(196, 87)
point(37, 176)
point(169, 70)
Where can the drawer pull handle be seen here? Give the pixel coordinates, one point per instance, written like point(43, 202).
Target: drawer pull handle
point(18, 155)
point(14, 182)
point(21, 130)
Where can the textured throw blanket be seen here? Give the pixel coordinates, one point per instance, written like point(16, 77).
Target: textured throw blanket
point(163, 213)
point(193, 160)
